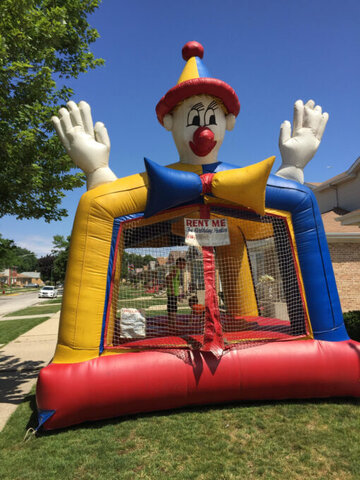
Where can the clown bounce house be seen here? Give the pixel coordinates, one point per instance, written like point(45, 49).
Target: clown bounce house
point(199, 282)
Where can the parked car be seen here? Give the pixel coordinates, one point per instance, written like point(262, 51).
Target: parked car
point(48, 292)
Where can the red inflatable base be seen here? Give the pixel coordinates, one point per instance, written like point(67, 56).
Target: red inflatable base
point(129, 383)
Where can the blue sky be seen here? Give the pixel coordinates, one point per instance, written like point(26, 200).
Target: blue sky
point(270, 52)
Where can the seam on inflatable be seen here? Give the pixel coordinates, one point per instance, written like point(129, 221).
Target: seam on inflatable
point(323, 264)
point(308, 197)
point(73, 345)
point(109, 284)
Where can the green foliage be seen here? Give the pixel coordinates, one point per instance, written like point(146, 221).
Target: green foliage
point(40, 41)
point(61, 253)
point(53, 266)
point(7, 249)
point(13, 256)
point(352, 323)
point(45, 266)
point(131, 261)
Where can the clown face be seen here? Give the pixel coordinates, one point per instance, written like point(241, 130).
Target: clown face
point(198, 127)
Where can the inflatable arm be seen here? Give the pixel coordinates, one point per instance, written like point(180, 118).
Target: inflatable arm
point(88, 146)
point(298, 147)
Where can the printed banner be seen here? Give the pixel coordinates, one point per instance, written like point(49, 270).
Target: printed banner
point(206, 232)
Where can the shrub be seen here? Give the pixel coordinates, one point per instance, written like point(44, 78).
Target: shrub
point(352, 323)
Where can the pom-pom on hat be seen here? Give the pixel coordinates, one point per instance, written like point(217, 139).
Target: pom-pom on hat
point(196, 80)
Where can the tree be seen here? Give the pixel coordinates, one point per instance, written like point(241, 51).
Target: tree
point(13, 256)
point(40, 41)
point(25, 260)
point(131, 261)
point(61, 254)
point(7, 252)
point(53, 267)
point(45, 265)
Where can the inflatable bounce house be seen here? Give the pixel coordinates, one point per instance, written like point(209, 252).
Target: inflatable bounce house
point(196, 284)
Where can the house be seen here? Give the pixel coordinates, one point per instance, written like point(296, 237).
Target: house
point(10, 276)
point(339, 203)
point(30, 278)
point(175, 255)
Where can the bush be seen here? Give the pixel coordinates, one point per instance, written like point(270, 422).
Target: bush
point(352, 323)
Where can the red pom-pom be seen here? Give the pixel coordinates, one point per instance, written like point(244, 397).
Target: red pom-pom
point(192, 49)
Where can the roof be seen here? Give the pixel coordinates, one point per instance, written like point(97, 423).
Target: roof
point(335, 230)
point(349, 174)
point(334, 226)
point(29, 274)
point(350, 218)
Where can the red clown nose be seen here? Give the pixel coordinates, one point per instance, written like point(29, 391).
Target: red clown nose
point(203, 142)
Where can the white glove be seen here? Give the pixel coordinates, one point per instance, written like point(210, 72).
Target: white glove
point(88, 147)
point(298, 148)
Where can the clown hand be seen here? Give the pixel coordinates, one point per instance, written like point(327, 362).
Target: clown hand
point(88, 146)
point(298, 148)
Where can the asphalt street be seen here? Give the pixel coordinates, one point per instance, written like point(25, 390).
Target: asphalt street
point(11, 303)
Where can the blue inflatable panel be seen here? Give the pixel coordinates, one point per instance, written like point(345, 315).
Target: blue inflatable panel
point(314, 257)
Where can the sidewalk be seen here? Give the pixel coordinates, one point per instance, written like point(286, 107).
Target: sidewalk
point(40, 315)
point(20, 362)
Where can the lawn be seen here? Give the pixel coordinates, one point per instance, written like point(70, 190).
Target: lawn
point(51, 301)
point(11, 329)
point(285, 440)
point(35, 311)
point(127, 291)
point(134, 303)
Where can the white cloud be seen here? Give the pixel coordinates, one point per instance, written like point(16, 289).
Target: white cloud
point(35, 243)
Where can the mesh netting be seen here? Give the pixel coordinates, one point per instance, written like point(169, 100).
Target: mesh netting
point(160, 298)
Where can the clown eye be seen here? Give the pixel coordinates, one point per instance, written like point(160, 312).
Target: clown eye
point(210, 118)
point(193, 117)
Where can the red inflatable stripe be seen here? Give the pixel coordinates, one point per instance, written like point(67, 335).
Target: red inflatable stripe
point(115, 385)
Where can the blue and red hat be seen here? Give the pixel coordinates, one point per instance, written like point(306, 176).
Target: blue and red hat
point(196, 80)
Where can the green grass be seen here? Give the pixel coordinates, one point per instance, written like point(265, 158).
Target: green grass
point(127, 291)
point(34, 311)
point(133, 303)
point(11, 329)
point(154, 313)
point(281, 441)
point(49, 302)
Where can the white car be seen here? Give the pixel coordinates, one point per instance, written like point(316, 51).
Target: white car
point(48, 292)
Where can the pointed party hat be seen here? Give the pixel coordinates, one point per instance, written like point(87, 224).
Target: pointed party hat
point(196, 80)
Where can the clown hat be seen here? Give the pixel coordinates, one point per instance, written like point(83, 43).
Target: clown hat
point(196, 80)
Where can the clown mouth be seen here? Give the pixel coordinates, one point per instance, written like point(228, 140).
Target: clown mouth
point(203, 142)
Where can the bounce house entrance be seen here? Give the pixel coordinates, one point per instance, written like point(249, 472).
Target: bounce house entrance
point(180, 271)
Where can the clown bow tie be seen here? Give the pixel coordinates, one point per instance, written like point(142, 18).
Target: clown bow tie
point(243, 186)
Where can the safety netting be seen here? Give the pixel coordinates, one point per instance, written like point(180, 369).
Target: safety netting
point(178, 272)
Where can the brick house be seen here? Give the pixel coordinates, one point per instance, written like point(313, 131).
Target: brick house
point(339, 202)
point(10, 276)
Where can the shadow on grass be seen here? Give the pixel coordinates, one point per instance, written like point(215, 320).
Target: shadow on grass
point(98, 424)
point(13, 374)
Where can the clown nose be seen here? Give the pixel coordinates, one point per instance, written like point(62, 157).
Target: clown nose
point(203, 142)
